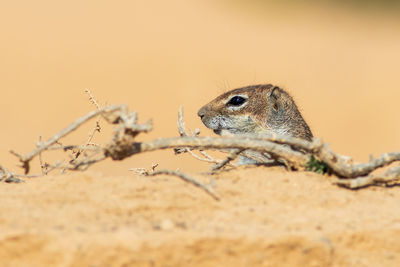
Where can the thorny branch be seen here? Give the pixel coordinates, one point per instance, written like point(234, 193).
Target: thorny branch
point(295, 153)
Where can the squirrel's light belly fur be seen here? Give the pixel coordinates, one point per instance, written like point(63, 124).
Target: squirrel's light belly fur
point(255, 109)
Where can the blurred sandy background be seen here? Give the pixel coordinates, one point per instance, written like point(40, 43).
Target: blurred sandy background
point(341, 63)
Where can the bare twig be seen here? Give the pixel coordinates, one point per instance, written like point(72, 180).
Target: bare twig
point(207, 156)
point(181, 123)
point(25, 159)
point(206, 159)
point(43, 167)
point(391, 175)
point(85, 163)
point(343, 169)
point(97, 128)
point(232, 156)
point(182, 132)
point(89, 147)
point(187, 179)
point(144, 171)
point(286, 140)
point(8, 177)
point(92, 99)
point(296, 158)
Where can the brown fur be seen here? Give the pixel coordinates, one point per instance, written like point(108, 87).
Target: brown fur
point(268, 109)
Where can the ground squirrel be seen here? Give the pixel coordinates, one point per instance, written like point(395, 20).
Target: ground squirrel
point(255, 109)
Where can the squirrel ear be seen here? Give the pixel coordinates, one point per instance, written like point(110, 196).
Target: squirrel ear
point(275, 94)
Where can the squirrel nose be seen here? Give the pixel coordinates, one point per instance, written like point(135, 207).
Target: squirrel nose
point(201, 113)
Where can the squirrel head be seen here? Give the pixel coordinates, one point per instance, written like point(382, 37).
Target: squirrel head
point(255, 109)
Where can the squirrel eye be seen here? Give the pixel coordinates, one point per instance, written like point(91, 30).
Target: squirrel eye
point(236, 101)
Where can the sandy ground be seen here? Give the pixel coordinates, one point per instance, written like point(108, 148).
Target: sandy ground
point(341, 66)
point(266, 217)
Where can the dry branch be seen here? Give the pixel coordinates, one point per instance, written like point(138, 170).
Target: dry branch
point(187, 179)
point(25, 159)
point(344, 169)
point(294, 153)
point(297, 158)
point(391, 175)
point(294, 142)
